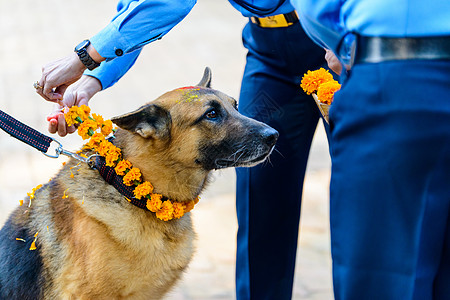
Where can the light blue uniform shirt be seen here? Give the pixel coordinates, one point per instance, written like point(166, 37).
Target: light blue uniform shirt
point(139, 22)
point(328, 21)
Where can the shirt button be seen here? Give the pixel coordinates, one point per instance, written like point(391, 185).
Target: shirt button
point(119, 52)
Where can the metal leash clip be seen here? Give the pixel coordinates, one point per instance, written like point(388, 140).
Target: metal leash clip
point(60, 150)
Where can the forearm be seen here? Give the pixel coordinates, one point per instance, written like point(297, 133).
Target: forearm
point(111, 71)
point(138, 23)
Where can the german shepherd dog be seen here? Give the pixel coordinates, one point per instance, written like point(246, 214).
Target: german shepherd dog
point(93, 244)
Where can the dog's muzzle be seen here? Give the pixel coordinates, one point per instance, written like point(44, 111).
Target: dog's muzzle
point(252, 152)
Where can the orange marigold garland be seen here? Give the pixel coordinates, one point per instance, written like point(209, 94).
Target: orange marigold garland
point(95, 128)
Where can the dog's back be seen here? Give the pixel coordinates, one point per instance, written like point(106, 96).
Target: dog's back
point(20, 268)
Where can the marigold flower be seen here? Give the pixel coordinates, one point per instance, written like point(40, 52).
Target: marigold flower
point(87, 129)
point(166, 211)
point(122, 167)
point(143, 190)
point(133, 175)
point(83, 112)
point(178, 210)
point(188, 206)
point(313, 79)
point(103, 148)
point(98, 119)
point(154, 203)
point(95, 140)
point(106, 127)
point(71, 116)
point(326, 91)
point(112, 156)
point(20, 202)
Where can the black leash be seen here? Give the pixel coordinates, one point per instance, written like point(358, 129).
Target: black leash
point(24, 133)
point(42, 142)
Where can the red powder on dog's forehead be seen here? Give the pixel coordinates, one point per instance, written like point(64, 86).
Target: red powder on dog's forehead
point(188, 87)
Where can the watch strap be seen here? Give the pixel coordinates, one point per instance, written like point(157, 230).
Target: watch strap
point(85, 58)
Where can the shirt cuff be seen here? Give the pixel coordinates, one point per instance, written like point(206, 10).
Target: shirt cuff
point(109, 72)
point(110, 43)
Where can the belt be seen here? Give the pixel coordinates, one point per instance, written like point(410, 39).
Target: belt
point(282, 20)
point(379, 49)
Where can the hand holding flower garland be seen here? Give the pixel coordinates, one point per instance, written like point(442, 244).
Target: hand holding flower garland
point(95, 129)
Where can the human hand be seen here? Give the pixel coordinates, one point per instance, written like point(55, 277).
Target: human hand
point(333, 62)
point(58, 75)
point(78, 94)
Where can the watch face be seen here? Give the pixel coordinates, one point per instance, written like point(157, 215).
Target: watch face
point(82, 45)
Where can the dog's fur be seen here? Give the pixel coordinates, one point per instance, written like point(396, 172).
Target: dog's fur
point(96, 245)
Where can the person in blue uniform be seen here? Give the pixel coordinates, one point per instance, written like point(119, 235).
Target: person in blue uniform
point(390, 146)
point(279, 53)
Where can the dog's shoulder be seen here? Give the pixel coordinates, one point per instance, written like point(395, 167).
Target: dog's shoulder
point(20, 268)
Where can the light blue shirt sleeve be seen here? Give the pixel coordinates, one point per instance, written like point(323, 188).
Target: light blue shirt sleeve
point(137, 23)
point(109, 72)
point(321, 21)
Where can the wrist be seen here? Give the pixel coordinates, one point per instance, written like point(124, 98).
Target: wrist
point(82, 51)
point(91, 84)
point(94, 54)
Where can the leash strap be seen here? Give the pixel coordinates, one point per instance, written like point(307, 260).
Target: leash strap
point(24, 133)
point(111, 177)
point(42, 142)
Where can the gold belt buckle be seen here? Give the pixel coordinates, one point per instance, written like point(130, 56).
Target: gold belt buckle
point(274, 21)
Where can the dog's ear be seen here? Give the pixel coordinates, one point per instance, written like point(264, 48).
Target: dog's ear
point(206, 80)
point(149, 121)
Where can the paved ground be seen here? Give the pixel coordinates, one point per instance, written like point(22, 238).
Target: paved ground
point(35, 32)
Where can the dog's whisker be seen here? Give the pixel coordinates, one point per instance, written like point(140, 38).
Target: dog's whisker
point(278, 151)
point(243, 152)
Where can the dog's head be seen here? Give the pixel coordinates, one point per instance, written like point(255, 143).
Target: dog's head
point(199, 127)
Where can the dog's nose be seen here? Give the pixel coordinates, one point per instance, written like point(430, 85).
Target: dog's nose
point(269, 136)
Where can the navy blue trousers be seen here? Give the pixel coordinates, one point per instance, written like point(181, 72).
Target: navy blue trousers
point(269, 195)
point(390, 186)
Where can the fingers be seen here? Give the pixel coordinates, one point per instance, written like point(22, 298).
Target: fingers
point(62, 125)
point(58, 75)
point(77, 94)
point(46, 92)
point(52, 124)
point(333, 62)
point(57, 122)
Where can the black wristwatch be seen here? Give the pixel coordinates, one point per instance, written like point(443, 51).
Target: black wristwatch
point(84, 56)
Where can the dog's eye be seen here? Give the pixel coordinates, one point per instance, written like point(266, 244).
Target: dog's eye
point(212, 115)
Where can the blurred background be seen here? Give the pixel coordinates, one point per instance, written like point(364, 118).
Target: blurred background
point(33, 33)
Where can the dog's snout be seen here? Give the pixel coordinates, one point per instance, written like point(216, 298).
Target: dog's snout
point(269, 136)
